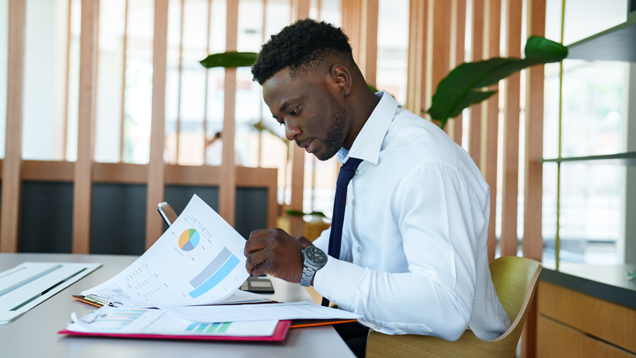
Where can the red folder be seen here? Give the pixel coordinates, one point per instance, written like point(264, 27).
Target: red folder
point(279, 335)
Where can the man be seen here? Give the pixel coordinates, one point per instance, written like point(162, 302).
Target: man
point(413, 257)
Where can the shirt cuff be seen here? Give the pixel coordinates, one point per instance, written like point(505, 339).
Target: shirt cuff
point(338, 282)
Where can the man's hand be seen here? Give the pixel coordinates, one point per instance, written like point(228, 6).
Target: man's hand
point(275, 252)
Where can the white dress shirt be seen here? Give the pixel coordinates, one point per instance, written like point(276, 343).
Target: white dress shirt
point(415, 229)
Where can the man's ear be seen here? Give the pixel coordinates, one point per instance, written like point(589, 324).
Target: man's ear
point(342, 79)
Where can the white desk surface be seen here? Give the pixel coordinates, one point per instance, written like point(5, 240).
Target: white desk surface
point(34, 334)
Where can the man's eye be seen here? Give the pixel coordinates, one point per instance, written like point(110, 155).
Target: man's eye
point(294, 112)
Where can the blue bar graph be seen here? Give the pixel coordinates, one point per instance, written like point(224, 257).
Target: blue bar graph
point(217, 277)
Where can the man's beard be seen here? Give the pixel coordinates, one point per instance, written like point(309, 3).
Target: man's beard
point(335, 133)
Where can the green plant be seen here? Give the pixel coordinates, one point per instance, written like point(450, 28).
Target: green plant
point(229, 59)
point(462, 87)
point(292, 212)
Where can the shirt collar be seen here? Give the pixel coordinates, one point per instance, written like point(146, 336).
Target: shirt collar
point(367, 144)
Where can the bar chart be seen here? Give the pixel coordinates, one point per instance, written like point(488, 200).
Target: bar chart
point(213, 273)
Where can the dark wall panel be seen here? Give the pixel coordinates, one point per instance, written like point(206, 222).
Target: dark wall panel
point(118, 216)
point(118, 219)
point(178, 196)
point(46, 217)
point(251, 210)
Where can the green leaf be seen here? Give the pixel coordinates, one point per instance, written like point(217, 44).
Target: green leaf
point(461, 87)
point(542, 50)
point(293, 212)
point(230, 59)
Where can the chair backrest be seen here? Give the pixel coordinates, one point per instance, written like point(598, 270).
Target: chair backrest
point(514, 279)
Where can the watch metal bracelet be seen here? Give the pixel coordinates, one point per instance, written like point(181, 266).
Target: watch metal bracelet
point(308, 274)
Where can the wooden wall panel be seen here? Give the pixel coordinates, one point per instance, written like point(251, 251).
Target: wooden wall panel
point(438, 43)
point(227, 190)
point(12, 163)
point(509, 241)
point(490, 124)
point(458, 34)
point(532, 237)
point(416, 94)
point(156, 182)
point(83, 178)
point(122, 110)
point(297, 225)
point(351, 18)
point(477, 49)
point(532, 242)
point(369, 40)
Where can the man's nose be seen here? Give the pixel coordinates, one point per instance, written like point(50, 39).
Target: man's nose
point(291, 130)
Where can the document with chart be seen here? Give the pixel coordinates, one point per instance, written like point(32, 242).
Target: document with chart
point(198, 260)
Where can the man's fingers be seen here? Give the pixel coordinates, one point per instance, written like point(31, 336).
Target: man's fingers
point(254, 244)
point(261, 269)
point(254, 260)
point(260, 233)
point(304, 241)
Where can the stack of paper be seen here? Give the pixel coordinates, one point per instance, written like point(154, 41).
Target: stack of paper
point(191, 275)
point(125, 320)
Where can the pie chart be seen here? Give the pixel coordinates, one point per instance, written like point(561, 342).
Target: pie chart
point(189, 239)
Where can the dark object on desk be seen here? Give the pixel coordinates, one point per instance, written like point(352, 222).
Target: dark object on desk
point(167, 213)
point(257, 285)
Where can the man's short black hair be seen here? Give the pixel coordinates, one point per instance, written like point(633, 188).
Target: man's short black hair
point(299, 46)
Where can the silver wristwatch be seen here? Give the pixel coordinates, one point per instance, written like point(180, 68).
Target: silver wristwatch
point(314, 259)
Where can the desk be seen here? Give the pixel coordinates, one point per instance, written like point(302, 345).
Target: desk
point(35, 333)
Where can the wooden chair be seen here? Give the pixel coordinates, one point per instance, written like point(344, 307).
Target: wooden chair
point(515, 279)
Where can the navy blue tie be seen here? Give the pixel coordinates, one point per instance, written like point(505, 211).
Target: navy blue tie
point(347, 171)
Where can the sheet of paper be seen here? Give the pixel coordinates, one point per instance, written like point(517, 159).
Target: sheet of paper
point(243, 297)
point(198, 260)
point(31, 283)
point(258, 312)
point(129, 320)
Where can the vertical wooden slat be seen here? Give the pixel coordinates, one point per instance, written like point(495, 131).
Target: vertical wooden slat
point(351, 18)
point(458, 27)
point(490, 125)
point(477, 47)
point(96, 83)
point(260, 106)
point(83, 176)
point(438, 55)
point(369, 40)
point(532, 237)
point(67, 79)
point(122, 112)
point(227, 192)
point(300, 10)
point(416, 68)
point(179, 83)
point(532, 242)
point(509, 241)
point(156, 173)
point(207, 90)
point(12, 163)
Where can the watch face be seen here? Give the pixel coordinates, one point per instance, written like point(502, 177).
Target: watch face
point(315, 255)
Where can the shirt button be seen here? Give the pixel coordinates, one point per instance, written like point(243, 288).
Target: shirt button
point(353, 201)
point(377, 327)
point(359, 249)
point(357, 172)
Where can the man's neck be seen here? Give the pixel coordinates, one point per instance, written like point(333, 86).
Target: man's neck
point(362, 110)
